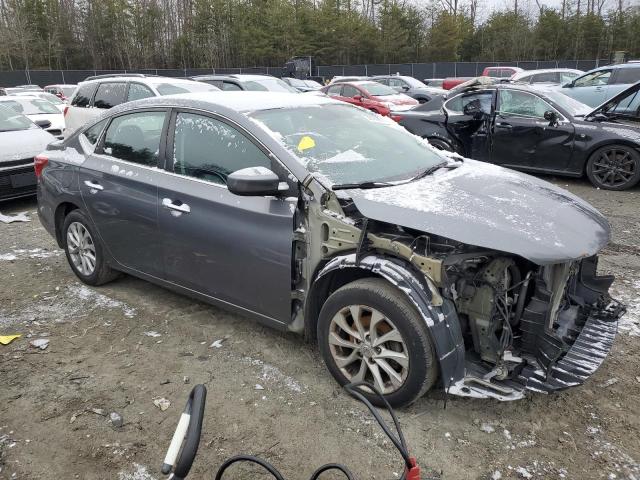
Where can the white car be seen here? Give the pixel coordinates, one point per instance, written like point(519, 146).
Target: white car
point(38, 111)
point(102, 92)
point(49, 97)
point(558, 76)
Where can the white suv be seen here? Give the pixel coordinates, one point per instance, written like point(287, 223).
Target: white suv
point(102, 92)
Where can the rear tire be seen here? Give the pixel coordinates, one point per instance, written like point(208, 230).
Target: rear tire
point(389, 344)
point(614, 167)
point(84, 251)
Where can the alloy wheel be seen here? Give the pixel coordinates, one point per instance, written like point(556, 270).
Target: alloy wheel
point(367, 346)
point(81, 248)
point(614, 167)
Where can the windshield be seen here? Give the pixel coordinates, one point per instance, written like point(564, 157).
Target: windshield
point(377, 89)
point(268, 85)
point(347, 144)
point(571, 105)
point(184, 87)
point(31, 106)
point(11, 121)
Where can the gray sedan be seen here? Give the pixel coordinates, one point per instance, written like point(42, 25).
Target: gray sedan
point(405, 264)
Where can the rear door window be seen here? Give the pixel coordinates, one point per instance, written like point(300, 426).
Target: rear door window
point(627, 75)
point(350, 91)
point(83, 97)
point(209, 149)
point(137, 91)
point(110, 94)
point(135, 137)
point(230, 87)
point(456, 104)
point(547, 77)
point(334, 90)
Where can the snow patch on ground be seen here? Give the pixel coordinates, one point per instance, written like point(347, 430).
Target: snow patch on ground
point(604, 451)
point(23, 254)
point(273, 374)
point(72, 303)
point(139, 472)
point(628, 292)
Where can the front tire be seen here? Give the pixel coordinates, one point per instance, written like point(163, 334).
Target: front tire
point(369, 331)
point(440, 144)
point(614, 167)
point(84, 251)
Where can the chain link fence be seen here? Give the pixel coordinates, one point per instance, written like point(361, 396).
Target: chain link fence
point(417, 70)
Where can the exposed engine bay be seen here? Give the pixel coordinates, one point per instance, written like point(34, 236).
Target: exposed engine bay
point(518, 320)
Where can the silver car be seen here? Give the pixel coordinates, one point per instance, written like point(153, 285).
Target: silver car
point(405, 264)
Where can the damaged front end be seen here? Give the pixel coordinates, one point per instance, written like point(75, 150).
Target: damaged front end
point(543, 329)
point(500, 323)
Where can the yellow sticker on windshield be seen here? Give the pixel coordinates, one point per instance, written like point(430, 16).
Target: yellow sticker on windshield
point(306, 143)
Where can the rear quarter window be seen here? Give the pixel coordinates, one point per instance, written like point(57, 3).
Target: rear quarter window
point(83, 96)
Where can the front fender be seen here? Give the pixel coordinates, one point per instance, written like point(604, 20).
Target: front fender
point(442, 321)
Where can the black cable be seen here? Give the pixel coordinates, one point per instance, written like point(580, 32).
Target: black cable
point(249, 458)
point(399, 442)
point(332, 466)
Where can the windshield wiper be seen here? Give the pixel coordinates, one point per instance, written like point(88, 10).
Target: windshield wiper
point(428, 171)
point(362, 185)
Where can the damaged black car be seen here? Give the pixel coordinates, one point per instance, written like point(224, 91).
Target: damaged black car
point(410, 267)
point(537, 130)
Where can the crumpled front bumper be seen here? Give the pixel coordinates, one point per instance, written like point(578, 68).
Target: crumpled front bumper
point(580, 362)
point(583, 358)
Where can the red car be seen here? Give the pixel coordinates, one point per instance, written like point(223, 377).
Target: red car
point(371, 95)
point(495, 72)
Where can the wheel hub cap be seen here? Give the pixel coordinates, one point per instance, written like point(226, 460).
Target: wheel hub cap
point(367, 346)
point(82, 250)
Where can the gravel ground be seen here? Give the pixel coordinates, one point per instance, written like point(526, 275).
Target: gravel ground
point(118, 347)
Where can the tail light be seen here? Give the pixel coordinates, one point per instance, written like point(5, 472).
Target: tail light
point(66, 109)
point(39, 163)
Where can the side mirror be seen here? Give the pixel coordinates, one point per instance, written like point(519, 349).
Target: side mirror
point(405, 88)
point(254, 182)
point(569, 84)
point(551, 117)
point(43, 123)
point(358, 98)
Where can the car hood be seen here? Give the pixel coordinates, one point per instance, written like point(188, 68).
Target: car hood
point(492, 207)
point(615, 99)
point(23, 144)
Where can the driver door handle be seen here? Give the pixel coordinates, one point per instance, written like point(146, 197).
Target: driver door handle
point(504, 125)
point(93, 185)
point(182, 207)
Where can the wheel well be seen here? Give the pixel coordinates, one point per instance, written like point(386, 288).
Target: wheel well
point(322, 289)
point(62, 211)
point(443, 140)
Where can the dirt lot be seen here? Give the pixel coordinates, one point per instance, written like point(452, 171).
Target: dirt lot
point(99, 357)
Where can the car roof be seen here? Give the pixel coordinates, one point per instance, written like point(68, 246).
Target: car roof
point(234, 76)
point(249, 101)
point(61, 85)
point(362, 83)
point(143, 78)
point(546, 70)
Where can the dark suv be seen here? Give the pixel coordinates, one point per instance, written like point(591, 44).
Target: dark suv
point(314, 216)
point(256, 83)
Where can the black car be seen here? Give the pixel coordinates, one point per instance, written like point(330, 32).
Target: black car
point(537, 130)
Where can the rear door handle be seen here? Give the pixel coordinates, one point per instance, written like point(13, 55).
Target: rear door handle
point(93, 185)
point(503, 125)
point(182, 208)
